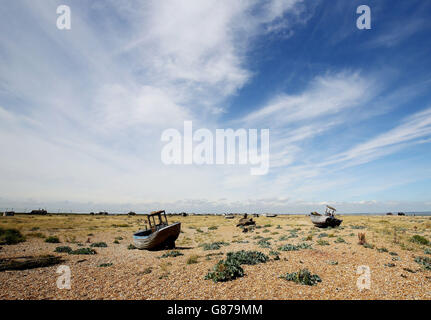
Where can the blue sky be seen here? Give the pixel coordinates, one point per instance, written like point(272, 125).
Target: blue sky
point(82, 110)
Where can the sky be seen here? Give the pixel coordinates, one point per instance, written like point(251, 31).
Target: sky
point(82, 111)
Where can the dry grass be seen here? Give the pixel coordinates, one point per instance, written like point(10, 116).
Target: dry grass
point(179, 278)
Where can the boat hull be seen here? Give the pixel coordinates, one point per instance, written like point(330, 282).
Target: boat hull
point(160, 239)
point(325, 221)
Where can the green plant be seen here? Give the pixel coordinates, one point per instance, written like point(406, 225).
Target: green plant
point(368, 246)
point(264, 243)
point(105, 265)
point(427, 251)
point(99, 245)
point(333, 263)
point(424, 261)
point(52, 239)
point(321, 242)
point(247, 257)
point(116, 241)
point(225, 270)
point(340, 240)
point(10, 236)
point(292, 247)
point(83, 251)
point(65, 249)
point(173, 253)
point(419, 240)
point(131, 247)
point(303, 277)
point(214, 246)
point(382, 250)
point(213, 228)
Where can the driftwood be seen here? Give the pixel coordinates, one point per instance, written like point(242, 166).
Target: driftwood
point(23, 263)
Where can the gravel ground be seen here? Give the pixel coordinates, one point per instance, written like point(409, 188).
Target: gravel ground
point(138, 274)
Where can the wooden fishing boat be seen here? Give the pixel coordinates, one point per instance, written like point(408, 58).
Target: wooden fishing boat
point(326, 220)
point(159, 235)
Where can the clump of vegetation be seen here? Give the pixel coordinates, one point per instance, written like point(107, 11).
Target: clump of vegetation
point(276, 254)
point(267, 225)
point(424, 261)
point(230, 269)
point(10, 236)
point(303, 277)
point(215, 245)
point(382, 250)
point(99, 245)
point(63, 249)
point(283, 238)
point(192, 259)
point(116, 241)
point(84, 251)
point(333, 263)
point(199, 230)
point(265, 231)
point(390, 265)
point(322, 235)
point(131, 247)
point(105, 265)
point(278, 227)
point(173, 253)
point(358, 227)
point(393, 253)
point(308, 238)
point(120, 225)
point(368, 246)
point(264, 243)
point(292, 247)
point(52, 239)
point(247, 257)
point(321, 242)
point(213, 228)
point(362, 239)
point(225, 270)
point(24, 263)
point(119, 238)
point(419, 240)
point(340, 240)
point(427, 251)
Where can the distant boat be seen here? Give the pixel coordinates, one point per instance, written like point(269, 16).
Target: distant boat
point(326, 220)
point(160, 235)
point(269, 215)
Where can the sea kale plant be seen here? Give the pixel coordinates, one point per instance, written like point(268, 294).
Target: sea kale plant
point(293, 247)
point(303, 277)
point(230, 269)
